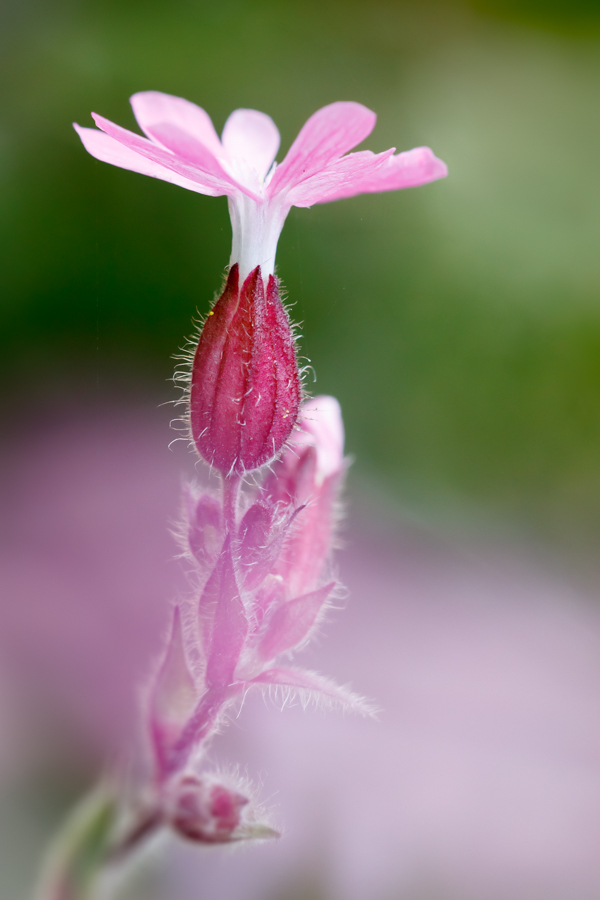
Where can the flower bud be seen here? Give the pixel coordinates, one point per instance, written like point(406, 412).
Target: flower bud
point(308, 476)
point(205, 811)
point(245, 386)
point(321, 426)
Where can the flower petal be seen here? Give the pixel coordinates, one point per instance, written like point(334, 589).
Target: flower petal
point(326, 136)
point(356, 168)
point(408, 169)
point(204, 175)
point(188, 149)
point(252, 138)
point(181, 127)
point(107, 149)
point(152, 108)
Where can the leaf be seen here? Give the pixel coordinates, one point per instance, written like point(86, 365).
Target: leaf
point(258, 547)
point(291, 623)
point(173, 697)
point(230, 624)
point(204, 530)
point(311, 687)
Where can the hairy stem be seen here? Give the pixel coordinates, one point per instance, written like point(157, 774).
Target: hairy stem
point(231, 490)
point(201, 724)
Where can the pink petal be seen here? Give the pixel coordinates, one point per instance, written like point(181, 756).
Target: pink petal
point(326, 136)
point(291, 623)
point(408, 169)
point(185, 146)
point(152, 108)
point(107, 149)
point(311, 686)
point(181, 127)
point(356, 168)
point(251, 137)
point(203, 175)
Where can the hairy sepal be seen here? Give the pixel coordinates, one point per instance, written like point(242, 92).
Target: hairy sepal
point(261, 537)
point(291, 623)
point(309, 687)
point(245, 387)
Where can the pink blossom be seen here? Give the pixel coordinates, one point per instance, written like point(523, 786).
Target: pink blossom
point(182, 146)
point(261, 557)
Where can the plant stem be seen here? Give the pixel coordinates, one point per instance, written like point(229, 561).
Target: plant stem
point(231, 489)
point(142, 829)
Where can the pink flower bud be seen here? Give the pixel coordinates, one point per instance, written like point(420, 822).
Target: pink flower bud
point(245, 386)
point(308, 476)
point(321, 426)
point(203, 810)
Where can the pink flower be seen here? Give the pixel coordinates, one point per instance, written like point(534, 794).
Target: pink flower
point(261, 559)
point(245, 385)
point(182, 146)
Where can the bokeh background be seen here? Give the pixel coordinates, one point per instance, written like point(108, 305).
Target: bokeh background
point(458, 324)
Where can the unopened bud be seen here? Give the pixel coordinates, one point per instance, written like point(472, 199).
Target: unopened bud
point(205, 811)
point(308, 476)
point(245, 386)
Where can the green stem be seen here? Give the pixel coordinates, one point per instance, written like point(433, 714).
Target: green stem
point(77, 854)
point(88, 846)
point(146, 826)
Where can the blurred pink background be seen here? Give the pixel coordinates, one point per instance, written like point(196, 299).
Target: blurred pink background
point(481, 780)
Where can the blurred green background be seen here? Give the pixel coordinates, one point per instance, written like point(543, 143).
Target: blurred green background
point(458, 323)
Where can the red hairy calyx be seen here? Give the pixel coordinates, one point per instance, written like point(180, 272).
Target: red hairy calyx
point(245, 386)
